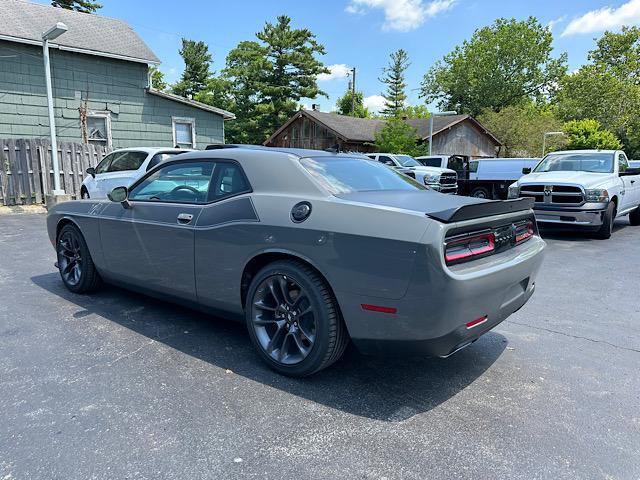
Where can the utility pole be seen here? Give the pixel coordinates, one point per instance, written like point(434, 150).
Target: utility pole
point(353, 91)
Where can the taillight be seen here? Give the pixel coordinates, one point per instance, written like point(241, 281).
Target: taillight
point(524, 231)
point(466, 248)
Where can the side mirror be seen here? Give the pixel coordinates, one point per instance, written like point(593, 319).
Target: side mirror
point(120, 195)
point(91, 171)
point(526, 170)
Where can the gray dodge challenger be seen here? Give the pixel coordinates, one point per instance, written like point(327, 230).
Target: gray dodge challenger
point(311, 249)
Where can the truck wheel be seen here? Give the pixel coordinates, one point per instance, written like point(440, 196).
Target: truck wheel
point(480, 192)
point(634, 217)
point(76, 267)
point(607, 222)
point(294, 320)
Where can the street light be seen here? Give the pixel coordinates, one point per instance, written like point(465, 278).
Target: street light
point(51, 34)
point(544, 139)
point(441, 114)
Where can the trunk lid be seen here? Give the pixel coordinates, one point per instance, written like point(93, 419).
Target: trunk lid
point(444, 208)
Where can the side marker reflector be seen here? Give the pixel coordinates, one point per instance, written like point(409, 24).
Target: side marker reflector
point(477, 321)
point(378, 308)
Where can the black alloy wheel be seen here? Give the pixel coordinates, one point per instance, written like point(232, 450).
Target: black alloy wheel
point(293, 319)
point(74, 261)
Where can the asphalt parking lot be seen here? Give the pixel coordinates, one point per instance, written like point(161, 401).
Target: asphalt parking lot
point(116, 385)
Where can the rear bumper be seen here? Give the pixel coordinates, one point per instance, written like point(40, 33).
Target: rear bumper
point(591, 216)
point(432, 317)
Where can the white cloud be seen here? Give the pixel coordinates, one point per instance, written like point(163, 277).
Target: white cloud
point(606, 18)
point(339, 70)
point(402, 15)
point(374, 103)
point(552, 23)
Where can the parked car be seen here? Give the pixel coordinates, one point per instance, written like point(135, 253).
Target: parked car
point(121, 168)
point(442, 180)
point(583, 189)
point(338, 248)
point(483, 177)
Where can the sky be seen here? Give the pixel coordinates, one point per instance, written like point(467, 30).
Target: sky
point(362, 33)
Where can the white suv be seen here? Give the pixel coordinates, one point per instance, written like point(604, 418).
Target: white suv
point(443, 180)
point(121, 168)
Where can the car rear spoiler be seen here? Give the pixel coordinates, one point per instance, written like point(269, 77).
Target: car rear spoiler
point(484, 209)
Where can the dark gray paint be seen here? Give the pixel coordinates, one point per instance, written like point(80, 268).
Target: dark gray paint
point(385, 253)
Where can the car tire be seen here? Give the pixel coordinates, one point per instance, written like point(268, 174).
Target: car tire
point(606, 229)
point(634, 217)
point(481, 192)
point(75, 264)
point(294, 320)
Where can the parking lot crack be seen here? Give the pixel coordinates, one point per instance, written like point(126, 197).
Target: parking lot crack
point(549, 330)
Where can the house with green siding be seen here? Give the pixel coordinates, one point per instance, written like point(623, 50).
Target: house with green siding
point(101, 87)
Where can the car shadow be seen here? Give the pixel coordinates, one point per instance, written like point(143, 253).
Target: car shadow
point(381, 388)
point(572, 235)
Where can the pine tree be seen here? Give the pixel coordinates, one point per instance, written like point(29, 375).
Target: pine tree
point(195, 76)
point(395, 95)
point(84, 6)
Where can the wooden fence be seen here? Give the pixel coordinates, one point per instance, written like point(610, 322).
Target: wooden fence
point(26, 170)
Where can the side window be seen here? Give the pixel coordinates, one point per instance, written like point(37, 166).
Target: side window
point(473, 166)
point(183, 182)
point(623, 164)
point(228, 179)
point(386, 160)
point(430, 162)
point(104, 164)
point(127, 161)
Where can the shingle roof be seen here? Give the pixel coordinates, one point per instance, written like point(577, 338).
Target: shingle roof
point(364, 129)
point(25, 22)
point(187, 101)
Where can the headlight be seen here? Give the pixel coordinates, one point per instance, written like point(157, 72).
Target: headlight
point(431, 178)
point(514, 191)
point(597, 195)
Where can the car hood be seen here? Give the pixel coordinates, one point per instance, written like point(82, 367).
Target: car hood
point(446, 208)
point(586, 179)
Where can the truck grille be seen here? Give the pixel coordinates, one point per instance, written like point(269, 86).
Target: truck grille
point(448, 183)
point(553, 194)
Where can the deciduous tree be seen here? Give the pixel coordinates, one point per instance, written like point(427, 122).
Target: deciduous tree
point(399, 137)
point(588, 134)
point(499, 66)
point(157, 79)
point(344, 105)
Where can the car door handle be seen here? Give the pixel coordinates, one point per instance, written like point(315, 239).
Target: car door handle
point(185, 218)
point(633, 181)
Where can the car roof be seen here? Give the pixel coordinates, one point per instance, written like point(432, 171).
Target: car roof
point(583, 151)
point(152, 150)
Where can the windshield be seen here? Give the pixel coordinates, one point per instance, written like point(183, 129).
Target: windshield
point(346, 175)
point(407, 161)
point(577, 162)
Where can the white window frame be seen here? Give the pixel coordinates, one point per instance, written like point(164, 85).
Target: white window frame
point(183, 120)
point(107, 116)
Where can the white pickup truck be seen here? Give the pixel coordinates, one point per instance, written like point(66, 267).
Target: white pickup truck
point(443, 180)
point(582, 188)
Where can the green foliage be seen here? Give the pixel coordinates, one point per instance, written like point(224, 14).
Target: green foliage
point(414, 111)
point(344, 105)
point(397, 136)
point(588, 134)
point(197, 61)
point(608, 89)
point(157, 79)
point(267, 78)
point(84, 6)
point(393, 77)
point(499, 66)
point(520, 128)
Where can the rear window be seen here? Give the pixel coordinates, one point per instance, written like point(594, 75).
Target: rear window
point(430, 162)
point(346, 175)
point(127, 161)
